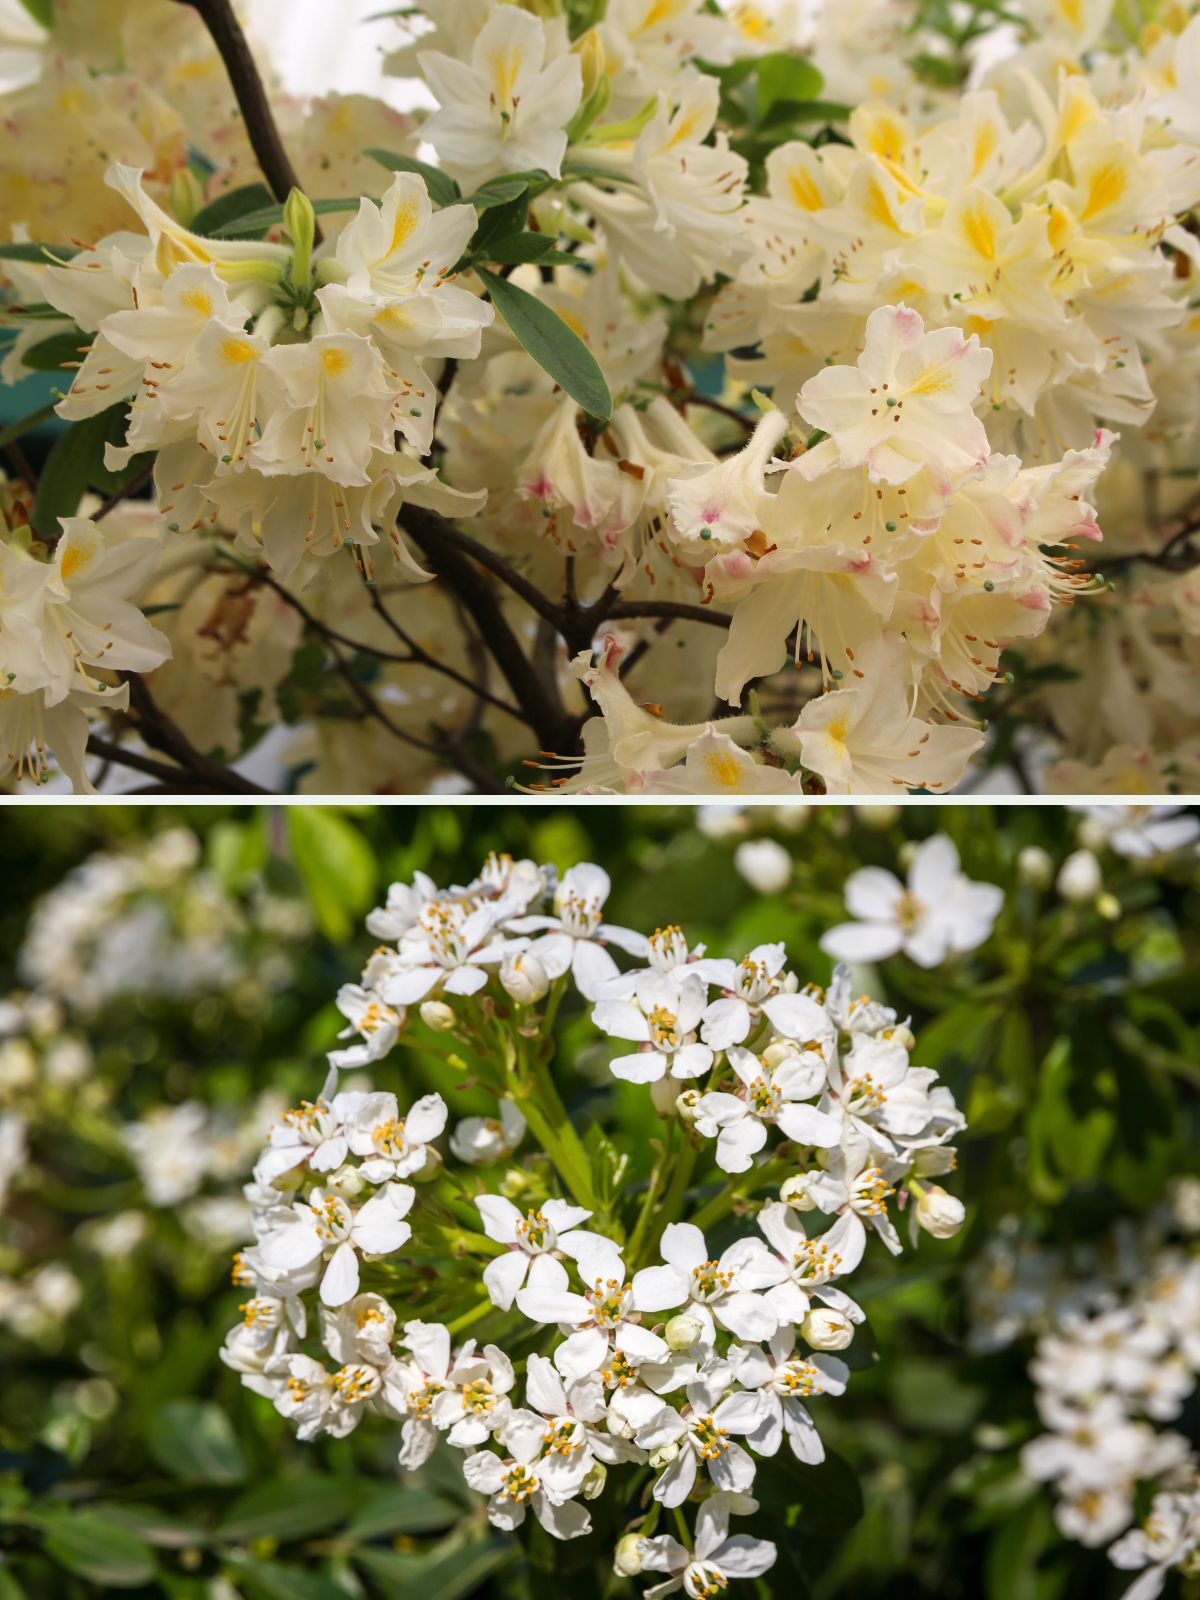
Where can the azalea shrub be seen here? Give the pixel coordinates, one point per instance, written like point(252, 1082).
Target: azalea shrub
point(650, 1199)
point(699, 398)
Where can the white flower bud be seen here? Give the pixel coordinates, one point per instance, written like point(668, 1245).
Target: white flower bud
point(877, 818)
point(1184, 1197)
point(436, 1014)
point(1091, 833)
point(663, 1095)
point(795, 1192)
point(903, 1034)
point(593, 1484)
point(1079, 879)
point(687, 1105)
point(620, 1425)
point(430, 1168)
point(682, 1331)
point(627, 1560)
point(347, 1181)
point(1035, 867)
point(524, 978)
point(663, 1456)
point(765, 865)
point(827, 1330)
point(777, 1052)
point(939, 1213)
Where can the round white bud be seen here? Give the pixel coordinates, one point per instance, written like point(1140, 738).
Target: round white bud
point(627, 1559)
point(663, 1456)
point(347, 1181)
point(593, 1484)
point(877, 818)
point(687, 1105)
point(436, 1014)
point(765, 865)
point(939, 1213)
point(827, 1330)
point(682, 1331)
point(795, 1192)
point(1035, 867)
point(1079, 879)
point(903, 1034)
point(524, 978)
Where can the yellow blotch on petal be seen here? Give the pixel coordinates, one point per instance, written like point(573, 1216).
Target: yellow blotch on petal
point(1106, 186)
point(724, 770)
point(405, 222)
point(334, 361)
point(804, 190)
point(235, 351)
point(979, 233)
point(196, 300)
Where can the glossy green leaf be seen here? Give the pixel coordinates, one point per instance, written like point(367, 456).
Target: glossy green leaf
point(58, 352)
point(90, 1546)
point(290, 1508)
point(232, 208)
point(76, 464)
point(278, 1580)
point(194, 1441)
point(399, 1509)
point(443, 190)
point(258, 222)
point(336, 867)
point(554, 346)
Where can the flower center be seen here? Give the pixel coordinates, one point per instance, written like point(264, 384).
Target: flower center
point(710, 1441)
point(709, 1282)
point(610, 1301)
point(518, 1483)
point(664, 1028)
point(564, 1436)
point(668, 948)
point(478, 1396)
point(764, 1097)
point(580, 913)
point(388, 1138)
point(701, 1581)
point(535, 1234)
point(798, 1379)
point(871, 1191)
point(331, 1218)
point(355, 1383)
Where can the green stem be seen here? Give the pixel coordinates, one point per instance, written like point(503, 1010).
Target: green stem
point(532, 1086)
point(758, 1177)
point(637, 1238)
point(672, 1205)
point(468, 1318)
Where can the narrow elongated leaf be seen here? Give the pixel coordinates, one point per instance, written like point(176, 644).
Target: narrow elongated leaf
point(335, 865)
point(528, 247)
point(76, 463)
point(396, 1509)
point(450, 1576)
point(92, 1547)
point(443, 190)
point(277, 1580)
point(290, 1508)
point(554, 346)
point(53, 354)
point(784, 77)
point(41, 11)
point(194, 1441)
point(499, 191)
point(41, 253)
point(234, 206)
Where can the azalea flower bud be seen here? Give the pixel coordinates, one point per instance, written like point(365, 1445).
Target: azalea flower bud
point(347, 1181)
point(663, 1456)
point(765, 865)
point(827, 1330)
point(795, 1192)
point(939, 1213)
point(300, 222)
point(1035, 867)
point(524, 978)
point(185, 195)
point(682, 1331)
point(1079, 879)
point(721, 822)
point(593, 1484)
point(436, 1014)
point(627, 1560)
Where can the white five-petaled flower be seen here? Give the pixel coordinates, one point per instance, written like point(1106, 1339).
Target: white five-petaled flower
point(783, 1379)
point(376, 1024)
point(320, 1401)
point(875, 1090)
point(448, 948)
point(574, 1414)
point(717, 1557)
point(802, 1268)
point(745, 985)
point(327, 1227)
point(773, 1087)
point(313, 1133)
point(481, 1140)
point(393, 1146)
point(533, 1475)
point(530, 1240)
point(856, 1184)
point(701, 1434)
point(661, 1018)
point(607, 1315)
point(573, 939)
point(940, 913)
point(714, 1290)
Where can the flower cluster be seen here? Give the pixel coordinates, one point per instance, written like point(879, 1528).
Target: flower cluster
point(654, 1335)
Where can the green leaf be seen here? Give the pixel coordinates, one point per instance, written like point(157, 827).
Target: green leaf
point(76, 463)
point(10, 1589)
point(555, 348)
point(499, 191)
point(829, 1493)
point(232, 207)
point(61, 350)
point(40, 253)
point(336, 866)
point(784, 77)
point(397, 1509)
point(521, 247)
point(289, 1508)
point(194, 1441)
point(41, 11)
point(92, 1547)
point(449, 1576)
point(256, 222)
point(275, 1580)
point(154, 1526)
point(443, 190)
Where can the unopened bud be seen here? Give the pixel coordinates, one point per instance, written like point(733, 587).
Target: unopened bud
point(627, 1559)
point(764, 864)
point(590, 50)
point(877, 818)
point(682, 1331)
point(939, 1213)
point(688, 1105)
point(593, 1483)
point(524, 978)
point(796, 1192)
point(903, 1034)
point(597, 90)
point(777, 1052)
point(347, 1181)
point(300, 223)
point(1109, 907)
point(436, 1014)
point(185, 196)
point(827, 1330)
point(663, 1456)
point(429, 1168)
point(1035, 867)
point(1079, 879)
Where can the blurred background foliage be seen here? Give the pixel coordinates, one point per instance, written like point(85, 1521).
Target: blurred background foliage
point(131, 1459)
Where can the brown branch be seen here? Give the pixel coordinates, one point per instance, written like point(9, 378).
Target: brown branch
point(218, 17)
point(676, 609)
point(116, 754)
point(1170, 557)
point(157, 730)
